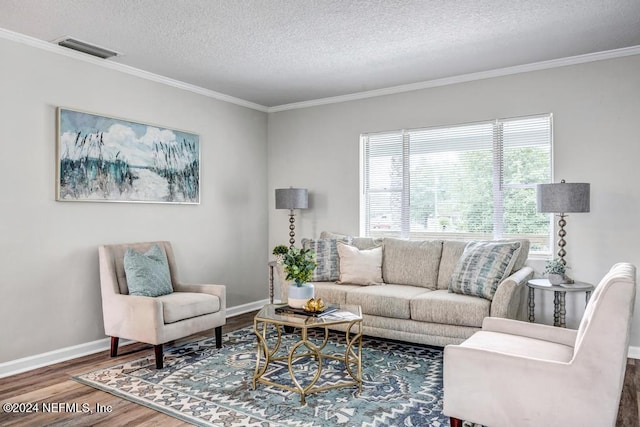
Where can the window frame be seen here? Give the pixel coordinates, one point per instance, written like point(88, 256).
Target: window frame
point(498, 184)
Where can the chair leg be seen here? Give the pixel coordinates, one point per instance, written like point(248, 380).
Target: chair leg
point(219, 337)
point(455, 422)
point(114, 346)
point(159, 359)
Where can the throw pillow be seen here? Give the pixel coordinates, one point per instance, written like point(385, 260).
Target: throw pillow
point(326, 250)
point(482, 266)
point(360, 267)
point(147, 274)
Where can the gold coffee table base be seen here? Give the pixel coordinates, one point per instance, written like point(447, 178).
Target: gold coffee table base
point(352, 357)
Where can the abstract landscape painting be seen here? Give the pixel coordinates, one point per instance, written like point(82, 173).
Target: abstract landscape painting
point(107, 159)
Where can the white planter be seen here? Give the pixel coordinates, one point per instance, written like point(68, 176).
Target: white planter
point(555, 279)
point(299, 295)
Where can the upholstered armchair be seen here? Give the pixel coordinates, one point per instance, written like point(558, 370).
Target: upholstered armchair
point(183, 311)
point(514, 373)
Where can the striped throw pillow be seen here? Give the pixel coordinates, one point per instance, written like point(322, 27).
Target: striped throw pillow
point(482, 266)
point(328, 268)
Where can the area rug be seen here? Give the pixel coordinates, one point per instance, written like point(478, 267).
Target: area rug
point(402, 385)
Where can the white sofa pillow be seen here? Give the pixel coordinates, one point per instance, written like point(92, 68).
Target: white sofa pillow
point(360, 267)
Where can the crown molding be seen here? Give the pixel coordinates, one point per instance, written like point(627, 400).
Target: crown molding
point(500, 72)
point(33, 42)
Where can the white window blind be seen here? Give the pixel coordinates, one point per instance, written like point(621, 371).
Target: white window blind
point(463, 182)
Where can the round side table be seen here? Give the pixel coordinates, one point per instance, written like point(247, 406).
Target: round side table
point(559, 293)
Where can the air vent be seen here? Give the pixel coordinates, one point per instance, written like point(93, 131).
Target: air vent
point(87, 48)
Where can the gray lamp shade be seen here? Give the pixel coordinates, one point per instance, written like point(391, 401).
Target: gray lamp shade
point(563, 197)
point(292, 198)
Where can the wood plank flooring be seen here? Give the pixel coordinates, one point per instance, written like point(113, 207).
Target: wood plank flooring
point(53, 385)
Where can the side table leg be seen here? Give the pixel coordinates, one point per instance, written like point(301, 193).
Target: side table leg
point(270, 283)
point(556, 308)
point(563, 309)
point(532, 305)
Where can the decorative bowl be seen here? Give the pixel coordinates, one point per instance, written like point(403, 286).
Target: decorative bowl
point(314, 305)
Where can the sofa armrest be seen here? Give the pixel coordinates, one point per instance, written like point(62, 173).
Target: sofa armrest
point(509, 297)
point(531, 330)
point(132, 317)
point(497, 388)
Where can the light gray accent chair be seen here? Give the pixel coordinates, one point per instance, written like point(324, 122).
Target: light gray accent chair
point(188, 310)
point(515, 373)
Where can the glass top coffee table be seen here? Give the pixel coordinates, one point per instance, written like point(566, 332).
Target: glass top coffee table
point(349, 316)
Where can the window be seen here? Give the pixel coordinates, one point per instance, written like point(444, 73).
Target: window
point(463, 182)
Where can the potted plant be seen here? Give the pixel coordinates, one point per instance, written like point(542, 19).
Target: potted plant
point(555, 271)
point(298, 266)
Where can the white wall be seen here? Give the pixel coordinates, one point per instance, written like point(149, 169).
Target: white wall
point(596, 107)
point(49, 293)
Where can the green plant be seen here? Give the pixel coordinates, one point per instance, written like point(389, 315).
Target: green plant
point(298, 263)
point(555, 266)
point(280, 251)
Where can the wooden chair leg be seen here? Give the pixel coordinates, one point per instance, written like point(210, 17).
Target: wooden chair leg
point(159, 359)
point(219, 337)
point(114, 346)
point(455, 422)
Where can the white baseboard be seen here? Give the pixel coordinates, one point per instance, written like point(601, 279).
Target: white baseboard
point(24, 364)
point(245, 308)
point(634, 352)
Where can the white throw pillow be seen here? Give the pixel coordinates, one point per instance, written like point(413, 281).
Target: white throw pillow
point(360, 267)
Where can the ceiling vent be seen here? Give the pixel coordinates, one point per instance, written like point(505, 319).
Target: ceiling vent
point(87, 48)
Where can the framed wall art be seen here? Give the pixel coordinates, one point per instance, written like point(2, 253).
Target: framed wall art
point(106, 159)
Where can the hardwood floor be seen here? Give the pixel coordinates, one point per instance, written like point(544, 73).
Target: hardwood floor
point(53, 385)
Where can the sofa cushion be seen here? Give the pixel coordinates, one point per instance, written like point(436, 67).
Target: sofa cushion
point(528, 348)
point(185, 305)
point(414, 263)
point(391, 300)
point(332, 292)
point(366, 242)
point(482, 266)
point(327, 259)
point(442, 306)
point(451, 252)
point(360, 267)
point(358, 242)
point(147, 274)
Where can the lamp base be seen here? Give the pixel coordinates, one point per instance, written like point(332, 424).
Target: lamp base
point(561, 242)
point(292, 227)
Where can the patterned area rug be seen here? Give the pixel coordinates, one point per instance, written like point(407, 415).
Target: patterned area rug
point(402, 385)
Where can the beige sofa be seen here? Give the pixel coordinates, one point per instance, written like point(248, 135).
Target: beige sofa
point(414, 303)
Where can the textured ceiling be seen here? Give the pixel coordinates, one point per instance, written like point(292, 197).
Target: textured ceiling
point(275, 52)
